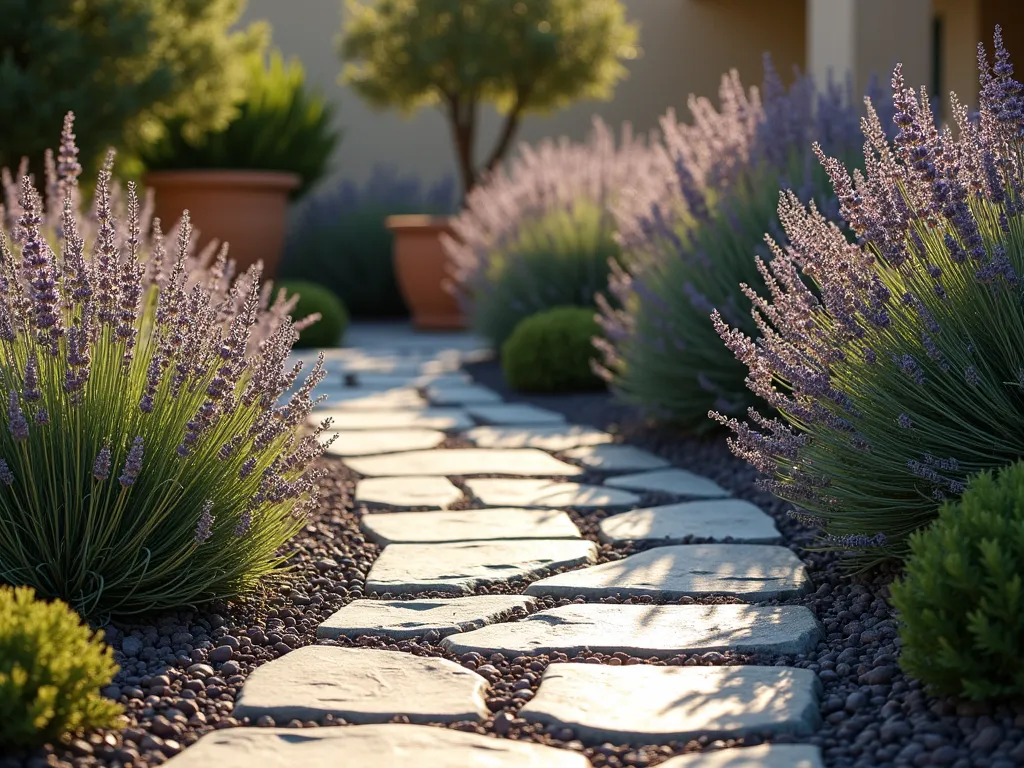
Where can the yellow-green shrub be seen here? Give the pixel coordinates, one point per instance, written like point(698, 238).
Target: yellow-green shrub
point(551, 352)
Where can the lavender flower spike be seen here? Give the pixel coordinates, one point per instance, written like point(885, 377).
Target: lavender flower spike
point(16, 418)
point(204, 528)
point(101, 467)
point(6, 476)
point(133, 464)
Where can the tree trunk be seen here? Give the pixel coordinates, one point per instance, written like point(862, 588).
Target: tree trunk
point(462, 118)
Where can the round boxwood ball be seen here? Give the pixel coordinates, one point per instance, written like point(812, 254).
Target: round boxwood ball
point(551, 352)
point(329, 330)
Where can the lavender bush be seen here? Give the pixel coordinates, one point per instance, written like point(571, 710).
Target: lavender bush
point(897, 363)
point(143, 463)
point(690, 232)
point(338, 238)
point(540, 235)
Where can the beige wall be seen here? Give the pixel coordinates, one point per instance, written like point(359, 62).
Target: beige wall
point(687, 45)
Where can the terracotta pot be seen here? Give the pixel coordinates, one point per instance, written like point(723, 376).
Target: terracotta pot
point(246, 209)
point(421, 269)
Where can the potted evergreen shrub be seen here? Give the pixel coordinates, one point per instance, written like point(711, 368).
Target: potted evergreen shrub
point(523, 58)
point(237, 182)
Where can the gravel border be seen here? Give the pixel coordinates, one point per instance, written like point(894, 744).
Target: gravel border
point(181, 673)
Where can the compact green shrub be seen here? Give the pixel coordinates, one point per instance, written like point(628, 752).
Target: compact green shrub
point(961, 599)
point(329, 328)
point(144, 463)
point(541, 234)
point(551, 351)
point(689, 241)
point(123, 67)
point(52, 668)
point(280, 126)
point(337, 238)
point(897, 362)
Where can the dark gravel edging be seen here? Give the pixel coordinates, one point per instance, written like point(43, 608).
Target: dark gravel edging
point(181, 673)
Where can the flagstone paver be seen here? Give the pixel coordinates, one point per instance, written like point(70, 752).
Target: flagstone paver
point(676, 481)
point(514, 414)
point(708, 519)
point(386, 746)
point(616, 458)
point(470, 394)
point(364, 442)
point(649, 704)
point(648, 630)
point(447, 419)
point(469, 525)
point(524, 462)
point(764, 756)
point(460, 568)
point(553, 437)
point(407, 492)
point(403, 619)
point(351, 399)
point(362, 685)
point(502, 492)
point(389, 380)
point(750, 571)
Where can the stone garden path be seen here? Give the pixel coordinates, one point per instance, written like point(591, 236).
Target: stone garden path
point(394, 403)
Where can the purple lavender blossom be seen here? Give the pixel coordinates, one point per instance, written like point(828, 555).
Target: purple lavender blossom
point(132, 464)
point(6, 476)
point(204, 528)
point(101, 466)
point(16, 422)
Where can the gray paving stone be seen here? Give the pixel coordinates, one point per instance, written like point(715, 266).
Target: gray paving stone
point(553, 437)
point(459, 568)
point(764, 756)
point(514, 414)
point(753, 572)
point(404, 619)
point(468, 525)
point(676, 481)
point(616, 458)
point(366, 442)
point(388, 380)
point(386, 746)
point(350, 399)
point(501, 492)
point(648, 704)
point(648, 630)
point(362, 685)
point(524, 462)
point(407, 492)
point(446, 419)
point(470, 394)
point(708, 519)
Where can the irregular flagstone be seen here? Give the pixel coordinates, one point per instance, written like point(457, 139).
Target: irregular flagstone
point(649, 704)
point(501, 492)
point(764, 756)
point(514, 414)
point(365, 442)
point(553, 437)
point(388, 380)
point(387, 746)
point(470, 394)
point(616, 458)
point(526, 462)
point(675, 481)
point(648, 630)
point(407, 492)
point(361, 400)
point(400, 366)
point(753, 572)
point(446, 419)
point(469, 525)
point(460, 568)
point(362, 685)
point(675, 523)
point(404, 619)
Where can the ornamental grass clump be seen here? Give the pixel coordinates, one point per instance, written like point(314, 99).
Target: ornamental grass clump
point(144, 464)
point(689, 236)
point(896, 363)
point(541, 235)
point(52, 667)
point(961, 599)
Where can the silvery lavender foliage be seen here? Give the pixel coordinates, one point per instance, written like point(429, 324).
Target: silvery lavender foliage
point(540, 234)
point(897, 362)
point(690, 232)
point(142, 422)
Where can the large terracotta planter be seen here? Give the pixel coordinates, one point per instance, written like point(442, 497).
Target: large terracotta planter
point(421, 269)
point(246, 209)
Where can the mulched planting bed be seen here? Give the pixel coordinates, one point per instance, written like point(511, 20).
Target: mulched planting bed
point(181, 673)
